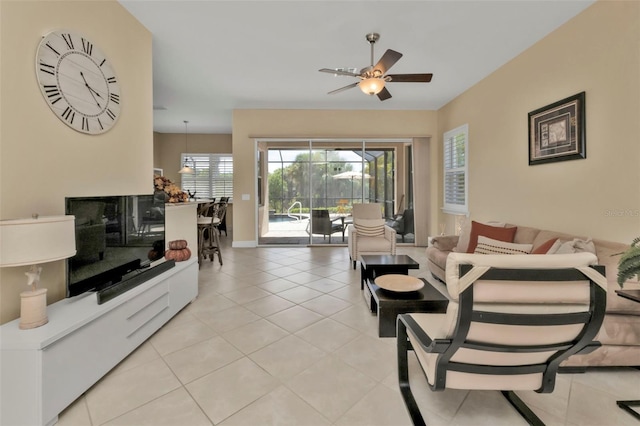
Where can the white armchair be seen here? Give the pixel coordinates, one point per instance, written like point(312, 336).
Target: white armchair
point(374, 236)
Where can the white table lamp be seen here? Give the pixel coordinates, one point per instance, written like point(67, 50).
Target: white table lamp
point(34, 241)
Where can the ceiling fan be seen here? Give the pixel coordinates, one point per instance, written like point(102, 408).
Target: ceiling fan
point(373, 78)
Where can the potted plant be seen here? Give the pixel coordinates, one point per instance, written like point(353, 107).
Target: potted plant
point(629, 263)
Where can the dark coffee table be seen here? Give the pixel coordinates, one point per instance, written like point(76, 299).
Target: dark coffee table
point(388, 304)
point(372, 266)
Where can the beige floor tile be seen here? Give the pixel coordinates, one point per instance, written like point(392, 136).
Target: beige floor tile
point(144, 354)
point(268, 305)
point(231, 388)
point(168, 340)
point(331, 386)
point(370, 355)
point(555, 403)
point(229, 319)
point(326, 305)
point(253, 336)
point(174, 408)
point(358, 317)
point(280, 407)
point(117, 394)
point(299, 294)
point(294, 318)
point(487, 408)
point(379, 407)
point(350, 293)
point(209, 304)
point(76, 414)
point(328, 334)
point(302, 277)
point(246, 295)
point(325, 285)
point(287, 357)
point(277, 285)
point(202, 358)
point(589, 406)
point(283, 271)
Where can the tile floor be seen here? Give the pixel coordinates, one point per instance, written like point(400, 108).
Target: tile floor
point(282, 336)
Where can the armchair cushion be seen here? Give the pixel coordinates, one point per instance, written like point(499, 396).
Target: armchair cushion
point(369, 227)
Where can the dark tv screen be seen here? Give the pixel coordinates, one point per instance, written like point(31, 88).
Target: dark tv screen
point(115, 235)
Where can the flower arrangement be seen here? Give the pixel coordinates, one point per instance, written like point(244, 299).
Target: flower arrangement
point(173, 194)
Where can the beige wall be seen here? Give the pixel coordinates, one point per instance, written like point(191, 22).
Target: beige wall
point(42, 161)
point(251, 124)
point(596, 52)
point(168, 147)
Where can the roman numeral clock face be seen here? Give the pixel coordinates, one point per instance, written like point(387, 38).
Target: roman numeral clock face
point(78, 82)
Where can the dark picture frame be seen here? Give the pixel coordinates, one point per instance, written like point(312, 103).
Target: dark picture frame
point(557, 131)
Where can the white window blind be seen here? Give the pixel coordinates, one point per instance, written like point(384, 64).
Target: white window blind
point(213, 177)
point(455, 170)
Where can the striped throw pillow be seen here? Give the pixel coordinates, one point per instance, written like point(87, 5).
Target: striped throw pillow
point(369, 227)
point(490, 246)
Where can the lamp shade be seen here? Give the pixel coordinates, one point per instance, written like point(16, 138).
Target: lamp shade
point(36, 240)
point(372, 85)
point(186, 169)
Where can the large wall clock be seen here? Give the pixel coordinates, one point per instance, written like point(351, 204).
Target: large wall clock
point(78, 82)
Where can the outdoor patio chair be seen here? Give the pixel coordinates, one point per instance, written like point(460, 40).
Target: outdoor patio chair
point(511, 321)
point(321, 223)
point(368, 234)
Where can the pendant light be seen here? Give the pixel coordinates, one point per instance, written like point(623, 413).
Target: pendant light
point(186, 169)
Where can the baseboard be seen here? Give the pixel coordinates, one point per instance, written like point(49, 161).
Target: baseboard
point(244, 244)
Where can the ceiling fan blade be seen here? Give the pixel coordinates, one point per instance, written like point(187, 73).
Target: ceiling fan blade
point(389, 58)
point(339, 72)
point(410, 78)
point(384, 94)
point(343, 88)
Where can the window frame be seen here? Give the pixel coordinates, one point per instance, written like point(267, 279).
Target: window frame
point(449, 171)
point(208, 175)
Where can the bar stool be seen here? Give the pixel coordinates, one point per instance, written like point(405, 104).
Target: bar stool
point(208, 241)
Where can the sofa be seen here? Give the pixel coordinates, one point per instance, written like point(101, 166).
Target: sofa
point(620, 331)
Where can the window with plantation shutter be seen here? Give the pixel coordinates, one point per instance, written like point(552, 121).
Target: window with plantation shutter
point(213, 177)
point(455, 170)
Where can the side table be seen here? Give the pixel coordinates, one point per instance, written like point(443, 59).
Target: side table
point(372, 266)
point(389, 304)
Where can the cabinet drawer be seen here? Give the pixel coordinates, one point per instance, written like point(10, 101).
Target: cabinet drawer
point(146, 298)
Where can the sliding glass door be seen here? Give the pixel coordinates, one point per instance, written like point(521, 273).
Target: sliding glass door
point(308, 188)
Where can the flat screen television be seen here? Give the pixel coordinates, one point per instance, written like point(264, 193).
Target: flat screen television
point(115, 236)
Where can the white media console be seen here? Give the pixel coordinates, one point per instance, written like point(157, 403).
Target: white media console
point(45, 369)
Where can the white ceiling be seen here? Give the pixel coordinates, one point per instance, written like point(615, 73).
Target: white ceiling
point(212, 56)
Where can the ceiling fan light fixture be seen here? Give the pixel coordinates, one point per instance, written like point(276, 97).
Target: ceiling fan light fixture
point(372, 85)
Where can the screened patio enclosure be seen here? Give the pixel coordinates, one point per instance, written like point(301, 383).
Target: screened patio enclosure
point(307, 189)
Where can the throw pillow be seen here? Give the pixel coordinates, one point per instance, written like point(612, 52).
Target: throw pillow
point(544, 247)
point(577, 246)
point(490, 246)
point(493, 232)
point(465, 234)
point(369, 227)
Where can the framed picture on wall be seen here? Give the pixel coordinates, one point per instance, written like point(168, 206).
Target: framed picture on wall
point(557, 131)
point(158, 172)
